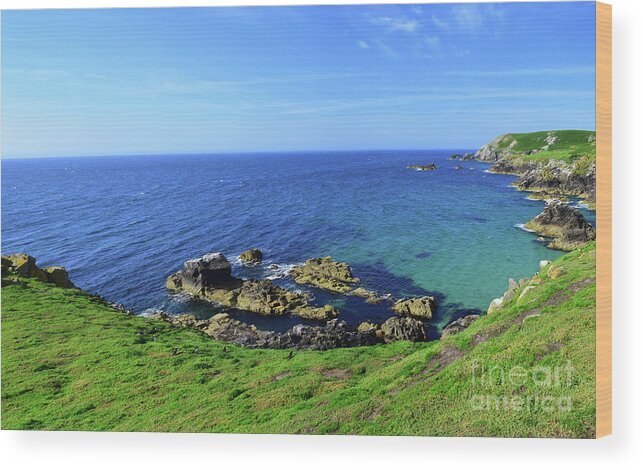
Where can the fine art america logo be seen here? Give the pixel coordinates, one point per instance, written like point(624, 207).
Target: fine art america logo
point(542, 389)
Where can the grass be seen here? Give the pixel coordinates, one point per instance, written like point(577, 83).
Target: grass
point(570, 145)
point(72, 362)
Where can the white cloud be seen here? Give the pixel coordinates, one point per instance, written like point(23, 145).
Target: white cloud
point(468, 16)
point(395, 23)
point(363, 44)
point(439, 22)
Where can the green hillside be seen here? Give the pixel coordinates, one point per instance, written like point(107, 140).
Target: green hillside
point(565, 145)
point(72, 362)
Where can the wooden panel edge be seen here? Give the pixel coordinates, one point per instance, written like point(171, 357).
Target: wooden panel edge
point(604, 219)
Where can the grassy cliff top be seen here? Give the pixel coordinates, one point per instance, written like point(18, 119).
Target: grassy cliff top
point(566, 145)
point(72, 362)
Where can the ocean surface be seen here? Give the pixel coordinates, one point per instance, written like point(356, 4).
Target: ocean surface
point(122, 224)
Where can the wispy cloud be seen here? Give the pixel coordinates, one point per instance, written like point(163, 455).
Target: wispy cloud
point(393, 23)
point(363, 45)
point(440, 23)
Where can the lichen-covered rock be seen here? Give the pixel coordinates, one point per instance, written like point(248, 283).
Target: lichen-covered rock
point(210, 278)
point(58, 275)
point(251, 256)
point(459, 325)
point(555, 272)
point(368, 295)
point(564, 224)
point(325, 273)
point(25, 265)
point(20, 263)
point(495, 304)
point(402, 329)
point(418, 307)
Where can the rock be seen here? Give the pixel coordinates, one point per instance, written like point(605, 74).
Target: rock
point(25, 265)
point(455, 156)
point(459, 325)
point(370, 296)
point(367, 326)
point(418, 307)
point(251, 256)
point(458, 167)
point(58, 275)
point(402, 329)
point(210, 278)
point(544, 262)
point(429, 167)
point(20, 263)
point(209, 271)
point(325, 273)
point(510, 292)
point(525, 291)
point(564, 224)
point(495, 304)
point(555, 272)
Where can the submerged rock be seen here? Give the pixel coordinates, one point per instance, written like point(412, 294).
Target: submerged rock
point(251, 256)
point(459, 325)
point(564, 224)
point(325, 273)
point(210, 278)
point(418, 307)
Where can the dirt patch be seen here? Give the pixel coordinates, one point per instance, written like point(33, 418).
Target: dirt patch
point(342, 374)
point(280, 376)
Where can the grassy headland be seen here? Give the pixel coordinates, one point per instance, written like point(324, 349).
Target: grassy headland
point(70, 361)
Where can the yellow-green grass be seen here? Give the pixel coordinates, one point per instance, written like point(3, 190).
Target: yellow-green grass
point(72, 362)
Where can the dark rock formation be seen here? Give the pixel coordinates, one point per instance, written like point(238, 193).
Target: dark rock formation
point(251, 256)
point(24, 265)
point(418, 307)
point(210, 278)
point(459, 325)
point(429, 167)
point(335, 334)
point(402, 329)
point(564, 224)
point(326, 274)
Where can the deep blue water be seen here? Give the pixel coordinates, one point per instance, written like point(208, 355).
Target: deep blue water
point(122, 224)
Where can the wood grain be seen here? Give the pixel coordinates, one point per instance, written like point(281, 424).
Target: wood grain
point(603, 219)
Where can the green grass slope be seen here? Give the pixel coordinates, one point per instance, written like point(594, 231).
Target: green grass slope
point(566, 145)
point(72, 362)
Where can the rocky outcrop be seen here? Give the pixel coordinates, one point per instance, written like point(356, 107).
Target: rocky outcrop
point(251, 256)
point(402, 329)
point(368, 295)
point(210, 278)
point(564, 224)
point(325, 273)
point(24, 265)
point(459, 325)
point(335, 334)
point(467, 156)
point(499, 147)
point(418, 307)
point(429, 167)
point(551, 177)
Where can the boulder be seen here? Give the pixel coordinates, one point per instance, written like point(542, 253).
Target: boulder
point(544, 262)
point(210, 270)
point(251, 256)
point(564, 224)
point(402, 329)
point(58, 275)
point(418, 307)
point(495, 304)
point(20, 263)
point(459, 325)
point(429, 167)
point(325, 273)
point(368, 295)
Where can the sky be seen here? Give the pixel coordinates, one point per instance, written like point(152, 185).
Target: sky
point(240, 79)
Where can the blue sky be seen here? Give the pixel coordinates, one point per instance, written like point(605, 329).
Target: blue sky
point(138, 81)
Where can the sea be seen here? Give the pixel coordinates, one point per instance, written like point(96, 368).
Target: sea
point(122, 224)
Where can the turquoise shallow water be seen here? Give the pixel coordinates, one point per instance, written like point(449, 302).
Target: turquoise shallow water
point(122, 224)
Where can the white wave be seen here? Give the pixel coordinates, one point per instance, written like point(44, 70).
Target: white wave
point(522, 227)
point(279, 271)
